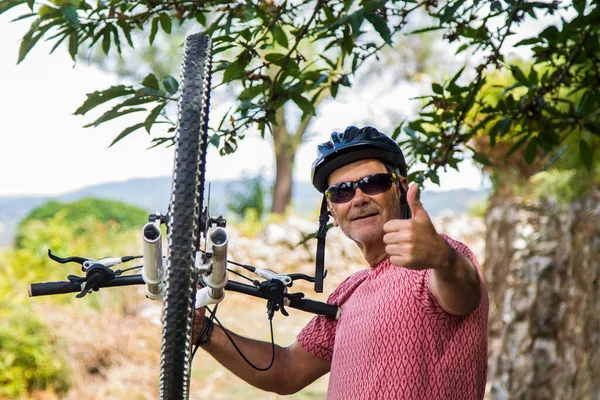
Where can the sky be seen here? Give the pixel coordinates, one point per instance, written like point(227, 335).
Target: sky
point(46, 151)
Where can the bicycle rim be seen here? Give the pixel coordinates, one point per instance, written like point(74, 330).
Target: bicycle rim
point(185, 206)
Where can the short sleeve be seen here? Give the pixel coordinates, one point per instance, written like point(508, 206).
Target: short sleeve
point(318, 336)
point(422, 289)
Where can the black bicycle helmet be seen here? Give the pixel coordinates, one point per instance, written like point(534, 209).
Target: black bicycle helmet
point(353, 145)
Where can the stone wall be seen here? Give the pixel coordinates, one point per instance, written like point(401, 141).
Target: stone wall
point(542, 270)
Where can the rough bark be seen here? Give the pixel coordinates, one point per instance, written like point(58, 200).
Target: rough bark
point(543, 274)
point(285, 145)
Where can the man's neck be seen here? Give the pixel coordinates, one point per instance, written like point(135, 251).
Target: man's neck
point(374, 254)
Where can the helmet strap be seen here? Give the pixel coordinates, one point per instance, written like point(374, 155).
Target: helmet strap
point(404, 207)
point(320, 257)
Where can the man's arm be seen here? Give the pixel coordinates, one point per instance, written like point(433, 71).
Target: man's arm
point(415, 244)
point(455, 284)
point(293, 367)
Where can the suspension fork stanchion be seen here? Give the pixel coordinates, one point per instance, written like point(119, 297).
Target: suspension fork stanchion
point(213, 265)
point(153, 269)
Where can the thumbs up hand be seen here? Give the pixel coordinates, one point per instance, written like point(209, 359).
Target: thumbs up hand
point(414, 243)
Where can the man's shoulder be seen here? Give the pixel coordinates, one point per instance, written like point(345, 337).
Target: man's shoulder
point(347, 286)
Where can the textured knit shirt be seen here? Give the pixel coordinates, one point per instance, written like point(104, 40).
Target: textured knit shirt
point(394, 341)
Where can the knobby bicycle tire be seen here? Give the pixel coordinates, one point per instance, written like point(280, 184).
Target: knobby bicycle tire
point(184, 211)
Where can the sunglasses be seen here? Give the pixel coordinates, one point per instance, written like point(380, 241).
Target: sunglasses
point(373, 184)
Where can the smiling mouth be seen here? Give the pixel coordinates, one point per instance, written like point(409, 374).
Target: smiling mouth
point(364, 217)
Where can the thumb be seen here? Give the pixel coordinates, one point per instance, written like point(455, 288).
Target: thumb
point(413, 197)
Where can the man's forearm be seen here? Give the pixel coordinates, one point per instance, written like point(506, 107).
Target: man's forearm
point(456, 284)
point(257, 352)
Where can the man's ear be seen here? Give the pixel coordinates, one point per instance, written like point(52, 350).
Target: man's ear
point(331, 212)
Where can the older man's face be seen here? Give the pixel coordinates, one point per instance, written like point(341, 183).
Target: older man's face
point(363, 217)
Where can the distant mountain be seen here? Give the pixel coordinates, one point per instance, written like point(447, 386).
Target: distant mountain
point(152, 194)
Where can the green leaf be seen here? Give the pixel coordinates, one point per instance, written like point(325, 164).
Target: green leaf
point(126, 31)
point(328, 61)
point(450, 10)
point(462, 48)
point(482, 159)
point(334, 90)
point(126, 132)
point(356, 20)
point(99, 97)
point(106, 39)
point(151, 92)
point(153, 31)
point(530, 151)
point(30, 3)
point(579, 6)
point(153, 115)
point(423, 30)
point(280, 36)
point(73, 44)
point(380, 26)
point(70, 14)
point(519, 75)
point(117, 39)
point(305, 105)
point(276, 58)
point(550, 33)
point(170, 84)
point(8, 4)
point(29, 40)
point(113, 113)
point(586, 154)
point(528, 42)
point(215, 140)
point(151, 82)
point(253, 91)
point(437, 88)
point(433, 176)
point(347, 41)
point(165, 22)
point(233, 71)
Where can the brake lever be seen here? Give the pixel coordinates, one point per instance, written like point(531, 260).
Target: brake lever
point(78, 260)
point(305, 277)
point(87, 263)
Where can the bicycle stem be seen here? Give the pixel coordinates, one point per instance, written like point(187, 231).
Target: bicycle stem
point(215, 260)
point(153, 269)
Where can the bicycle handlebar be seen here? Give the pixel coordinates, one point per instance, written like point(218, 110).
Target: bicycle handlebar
point(62, 287)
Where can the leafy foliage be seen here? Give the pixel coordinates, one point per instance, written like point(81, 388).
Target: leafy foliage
point(259, 46)
point(115, 215)
point(250, 197)
point(30, 358)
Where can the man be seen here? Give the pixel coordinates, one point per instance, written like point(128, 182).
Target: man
point(413, 325)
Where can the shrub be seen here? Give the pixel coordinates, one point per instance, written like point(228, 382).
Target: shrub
point(115, 215)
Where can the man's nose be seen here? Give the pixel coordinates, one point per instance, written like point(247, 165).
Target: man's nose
point(360, 197)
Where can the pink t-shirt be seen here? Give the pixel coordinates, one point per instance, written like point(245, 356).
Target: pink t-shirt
point(394, 341)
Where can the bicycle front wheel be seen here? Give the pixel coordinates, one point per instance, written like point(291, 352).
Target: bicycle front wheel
point(187, 197)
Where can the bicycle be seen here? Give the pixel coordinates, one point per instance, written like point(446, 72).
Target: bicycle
point(189, 263)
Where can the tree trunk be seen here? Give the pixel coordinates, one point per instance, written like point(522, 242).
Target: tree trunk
point(285, 146)
point(542, 268)
point(282, 188)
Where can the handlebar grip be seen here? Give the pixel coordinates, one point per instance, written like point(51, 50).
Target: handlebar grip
point(48, 288)
point(316, 307)
point(61, 287)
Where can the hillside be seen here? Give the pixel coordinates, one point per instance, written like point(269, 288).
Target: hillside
point(153, 195)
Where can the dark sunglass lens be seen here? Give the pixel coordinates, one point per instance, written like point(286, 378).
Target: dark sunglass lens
point(341, 192)
point(375, 184)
